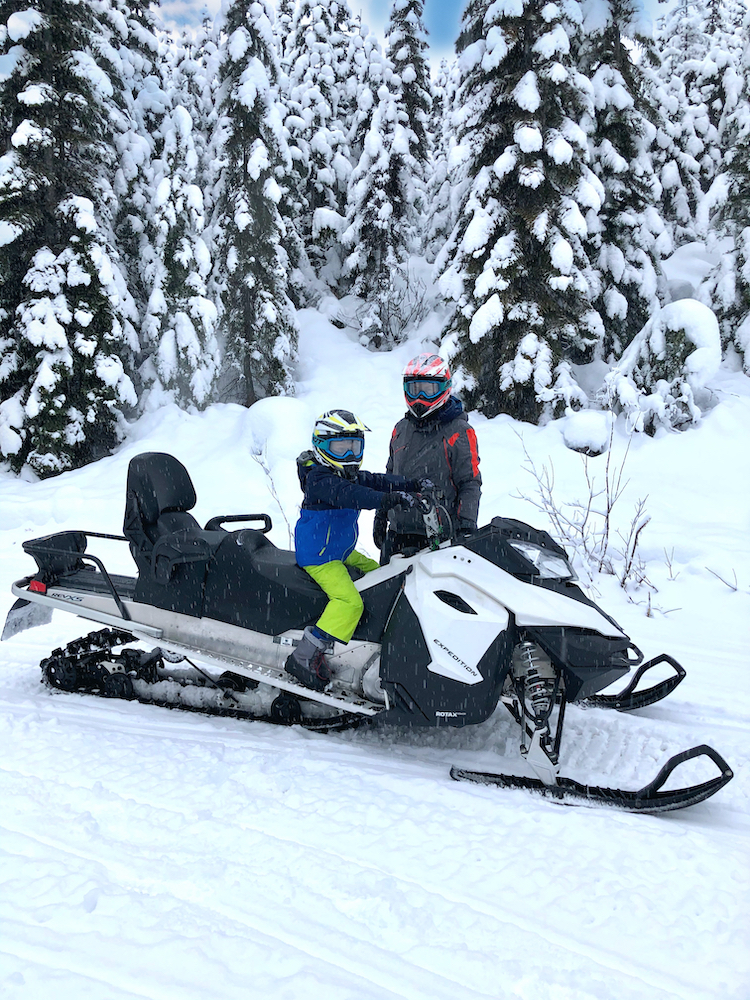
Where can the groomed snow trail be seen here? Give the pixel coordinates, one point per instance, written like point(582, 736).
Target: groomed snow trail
point(167, 856)
point(157, 854)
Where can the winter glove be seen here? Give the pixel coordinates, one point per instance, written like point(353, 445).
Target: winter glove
point(419, 485)
point(379, 529)
point(398, 498)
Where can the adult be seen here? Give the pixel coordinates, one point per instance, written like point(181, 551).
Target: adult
point(434, 441)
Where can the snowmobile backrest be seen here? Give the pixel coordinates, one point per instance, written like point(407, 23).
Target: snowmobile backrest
point(171, 550)
point(159, 483)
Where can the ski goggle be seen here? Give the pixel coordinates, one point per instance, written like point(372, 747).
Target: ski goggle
point(342, 447)
point(427, 388)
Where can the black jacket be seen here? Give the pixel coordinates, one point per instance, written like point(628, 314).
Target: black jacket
point(443, 449)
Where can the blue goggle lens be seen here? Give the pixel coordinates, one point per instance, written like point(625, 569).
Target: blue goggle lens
point(427, 388)
point(342, 447)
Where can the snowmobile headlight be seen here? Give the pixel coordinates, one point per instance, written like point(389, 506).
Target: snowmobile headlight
point(550, 565)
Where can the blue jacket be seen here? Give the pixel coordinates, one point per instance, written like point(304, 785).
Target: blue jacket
point(327, 526)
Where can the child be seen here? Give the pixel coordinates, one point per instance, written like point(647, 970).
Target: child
point(335, 492)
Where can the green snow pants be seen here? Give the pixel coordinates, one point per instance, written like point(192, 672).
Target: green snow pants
point(344, 608)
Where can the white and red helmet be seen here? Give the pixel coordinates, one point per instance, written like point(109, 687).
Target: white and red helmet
point(427, 384)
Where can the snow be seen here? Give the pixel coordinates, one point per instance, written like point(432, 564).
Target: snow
point(152, 854)
point(526, 92)
point(689, 265)
point(701, 329)
point(27, 132)
point(587, 431)
point(22, 23)
point(8, 232)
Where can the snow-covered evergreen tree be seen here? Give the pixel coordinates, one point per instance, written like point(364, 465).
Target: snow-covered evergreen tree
point(283, 31)
point(179, 327)
point(252, 263)
point(440, 219)
point(727, 288)
point(406, 44)
point(366, 69)
point(129, 41)
point(515, 267)
point(700, 51)
point(66, 342)
point(627, 238)
point(385, 216)
point(661, 380)
point(378, 235)
point(318, 141)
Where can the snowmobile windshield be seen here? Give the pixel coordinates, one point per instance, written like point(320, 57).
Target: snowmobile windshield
point(344, 447)
point(427, 388)
point(549, 565)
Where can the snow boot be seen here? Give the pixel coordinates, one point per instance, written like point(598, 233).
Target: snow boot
point(307, 663)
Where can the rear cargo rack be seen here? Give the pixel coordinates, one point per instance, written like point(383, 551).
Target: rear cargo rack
point(84, 556)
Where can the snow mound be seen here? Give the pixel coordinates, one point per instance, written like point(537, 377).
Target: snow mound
point(587, 431)
point(662, 378)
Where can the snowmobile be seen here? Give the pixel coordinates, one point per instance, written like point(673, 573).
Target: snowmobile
point(471, 621)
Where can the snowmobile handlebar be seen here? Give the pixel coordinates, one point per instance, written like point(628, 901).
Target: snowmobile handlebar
point(437, 521)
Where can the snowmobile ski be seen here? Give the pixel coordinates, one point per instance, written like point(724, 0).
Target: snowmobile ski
point(629, 699)
point(652, 798)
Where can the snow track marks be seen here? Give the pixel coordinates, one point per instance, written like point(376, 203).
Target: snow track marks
point(154, 854)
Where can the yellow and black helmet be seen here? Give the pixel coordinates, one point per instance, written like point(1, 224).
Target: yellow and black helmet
point(339, 440)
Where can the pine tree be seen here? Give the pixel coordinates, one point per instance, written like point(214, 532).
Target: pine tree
point(129, 39)
point(515, 266)
point(252, 264)
point(318, 142)
point(376, 236)
point(701, 47)
point(366, 69)
point(407, 43)
point(283, 29)
point(66, 342)
point(627, 238)
point(440, 216)
point(727, 288)
point(662, 378)
point(179, 326)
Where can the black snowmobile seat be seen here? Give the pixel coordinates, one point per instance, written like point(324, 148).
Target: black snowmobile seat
point(170, 548)
point(57, 555)
point(238, 577)
point(279, 565)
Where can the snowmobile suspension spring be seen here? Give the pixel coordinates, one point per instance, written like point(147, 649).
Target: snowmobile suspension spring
point(538, 674)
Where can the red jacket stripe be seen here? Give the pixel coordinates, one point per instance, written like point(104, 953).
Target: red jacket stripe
point(471, 435)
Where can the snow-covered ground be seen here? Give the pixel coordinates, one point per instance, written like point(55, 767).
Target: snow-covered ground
point(155, 854)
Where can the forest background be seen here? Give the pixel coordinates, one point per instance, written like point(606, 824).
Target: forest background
point(170, 201)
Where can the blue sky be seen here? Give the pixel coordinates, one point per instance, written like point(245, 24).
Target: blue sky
point(441, 17)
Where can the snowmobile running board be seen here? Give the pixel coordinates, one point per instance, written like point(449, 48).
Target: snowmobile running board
point(629, 699)
point(649, 799)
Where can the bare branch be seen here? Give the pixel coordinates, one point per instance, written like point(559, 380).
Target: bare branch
point(734, 574)
point(271, 487)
